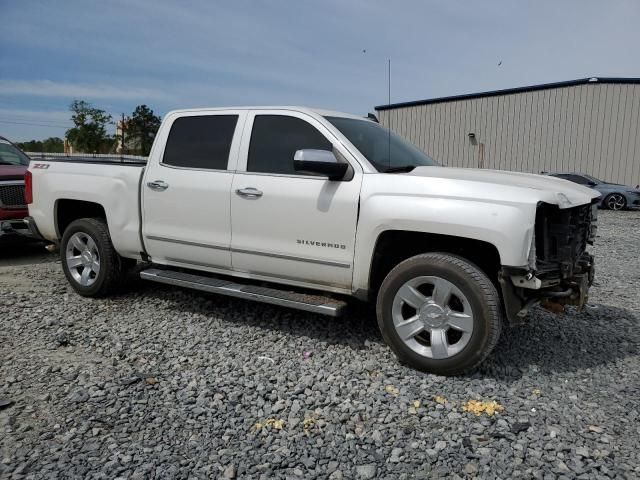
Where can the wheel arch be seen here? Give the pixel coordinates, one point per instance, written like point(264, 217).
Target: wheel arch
point(66, 210)
point(394, 246)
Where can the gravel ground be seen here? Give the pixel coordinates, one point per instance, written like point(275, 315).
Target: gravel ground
point(168, 383)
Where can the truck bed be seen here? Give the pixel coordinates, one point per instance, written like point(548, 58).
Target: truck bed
point(113, 183)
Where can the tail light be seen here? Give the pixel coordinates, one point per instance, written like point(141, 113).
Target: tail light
point(28, 188)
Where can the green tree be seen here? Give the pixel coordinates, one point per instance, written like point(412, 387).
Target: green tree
point(53, 145)
point(30, 146)
point(142, 128)
point(89, 135)
point(50, 145)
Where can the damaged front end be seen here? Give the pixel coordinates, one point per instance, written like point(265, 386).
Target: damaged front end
point(560, 269)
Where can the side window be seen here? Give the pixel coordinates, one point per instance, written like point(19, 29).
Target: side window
point(275, 139)
point(200, 142)
point(579, 179)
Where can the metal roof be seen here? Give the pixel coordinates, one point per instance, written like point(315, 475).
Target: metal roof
point(509, 91)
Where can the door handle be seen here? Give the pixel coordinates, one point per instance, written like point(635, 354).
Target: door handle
point(249, 192)
point(158, 185)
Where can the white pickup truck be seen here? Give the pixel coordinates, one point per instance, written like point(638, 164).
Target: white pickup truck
point(304, 208)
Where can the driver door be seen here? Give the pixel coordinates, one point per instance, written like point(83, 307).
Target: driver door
point(294, 227)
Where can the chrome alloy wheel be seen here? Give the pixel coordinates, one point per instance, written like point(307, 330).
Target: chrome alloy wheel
point(616, 201)
point(432, 317)
point(83, 259)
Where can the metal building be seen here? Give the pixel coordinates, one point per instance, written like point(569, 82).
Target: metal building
point(591, 125)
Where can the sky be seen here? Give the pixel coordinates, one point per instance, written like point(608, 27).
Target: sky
point(331, 54)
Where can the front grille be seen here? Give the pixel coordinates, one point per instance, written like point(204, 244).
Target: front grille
point(562, 236)
point(12, 196)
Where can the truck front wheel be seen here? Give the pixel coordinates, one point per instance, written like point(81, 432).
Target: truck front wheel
point(439, 313)
point(90, 263)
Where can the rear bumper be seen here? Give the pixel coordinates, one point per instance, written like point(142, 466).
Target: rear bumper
point(20, 228)
point(15, 227)
point(12, 213)
point(33, 229)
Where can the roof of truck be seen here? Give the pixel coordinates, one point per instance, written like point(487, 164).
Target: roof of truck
point(296, 108)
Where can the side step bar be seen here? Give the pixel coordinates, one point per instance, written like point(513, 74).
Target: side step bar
point(311, 303)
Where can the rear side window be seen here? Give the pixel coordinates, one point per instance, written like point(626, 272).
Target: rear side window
point(573, 178)
point(10, 155)
point(200, 142)
point(578, 179)
point(275, 139)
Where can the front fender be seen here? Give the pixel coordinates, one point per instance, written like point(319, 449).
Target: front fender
point(507, 226)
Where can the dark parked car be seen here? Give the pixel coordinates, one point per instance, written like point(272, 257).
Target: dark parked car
point(613, 195)
point(13, 207)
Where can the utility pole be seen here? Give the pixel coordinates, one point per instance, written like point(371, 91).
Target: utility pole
point(122, 127)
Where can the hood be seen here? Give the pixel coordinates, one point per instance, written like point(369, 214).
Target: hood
point(514, 186)
point(12, 172)
point(616, 187)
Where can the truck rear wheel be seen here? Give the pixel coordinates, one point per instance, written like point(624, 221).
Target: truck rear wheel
point(439, 313)
point(90, 263)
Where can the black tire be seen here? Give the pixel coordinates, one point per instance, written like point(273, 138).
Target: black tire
point(609, 200)
point(112, 266)
point(480, 293)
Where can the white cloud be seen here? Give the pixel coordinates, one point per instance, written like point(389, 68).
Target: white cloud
point(48, 88)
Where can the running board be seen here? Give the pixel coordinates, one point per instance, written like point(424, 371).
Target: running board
point(309, 302)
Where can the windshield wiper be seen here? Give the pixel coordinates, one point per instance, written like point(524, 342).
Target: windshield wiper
point(404, 168)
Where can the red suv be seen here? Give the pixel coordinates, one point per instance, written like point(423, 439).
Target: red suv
point(13, 206)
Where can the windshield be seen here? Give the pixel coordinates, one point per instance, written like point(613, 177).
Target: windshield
point(593, 179)
point(10, 155)
point(383, 150)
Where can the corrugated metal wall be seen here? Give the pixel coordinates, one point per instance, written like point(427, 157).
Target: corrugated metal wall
point(592, 128)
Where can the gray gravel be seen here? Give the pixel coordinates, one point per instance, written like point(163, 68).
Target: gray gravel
point(168, 383)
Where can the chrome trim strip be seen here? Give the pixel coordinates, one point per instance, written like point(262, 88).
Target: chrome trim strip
point(283, 175)
point(291, 257)
point(250, 275)
point(184, 242)
point(235, 290)
point(329, 263)
point(256, 274)
point(195, 169)
point(11, 182)
point(197, 264)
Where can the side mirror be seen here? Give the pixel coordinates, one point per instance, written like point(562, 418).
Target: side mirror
point(321, 162)
point(592, 184)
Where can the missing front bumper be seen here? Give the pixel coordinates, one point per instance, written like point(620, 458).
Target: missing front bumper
point(521, 290)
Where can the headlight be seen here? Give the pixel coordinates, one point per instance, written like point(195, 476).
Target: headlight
point(563, 200)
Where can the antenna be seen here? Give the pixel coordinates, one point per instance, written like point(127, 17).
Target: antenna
point(389, 103)
point(389, 79)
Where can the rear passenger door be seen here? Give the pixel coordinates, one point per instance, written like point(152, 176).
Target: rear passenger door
point(186, 189)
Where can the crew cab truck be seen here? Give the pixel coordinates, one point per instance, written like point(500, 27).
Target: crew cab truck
point(305, 208)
